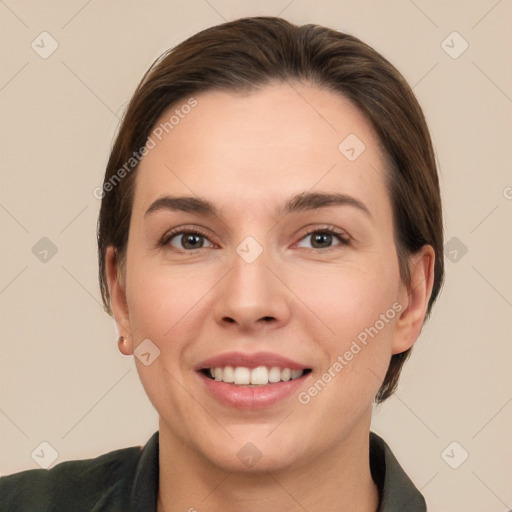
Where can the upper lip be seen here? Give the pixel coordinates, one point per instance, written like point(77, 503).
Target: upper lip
point(250, 361)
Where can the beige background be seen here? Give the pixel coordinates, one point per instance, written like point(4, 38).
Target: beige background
point(62, 379)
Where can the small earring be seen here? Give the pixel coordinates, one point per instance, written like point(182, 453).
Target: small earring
point(121, 340)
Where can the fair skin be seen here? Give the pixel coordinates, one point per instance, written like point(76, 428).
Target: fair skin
point(305, 298)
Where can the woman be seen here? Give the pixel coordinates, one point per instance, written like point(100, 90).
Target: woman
point(270, 244)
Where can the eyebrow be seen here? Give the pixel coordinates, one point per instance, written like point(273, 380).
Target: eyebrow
point(299, 203)
point(182, 204)
point(313, 200)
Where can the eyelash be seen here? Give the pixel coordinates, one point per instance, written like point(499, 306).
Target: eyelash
point(343, 238)
point(164, 241)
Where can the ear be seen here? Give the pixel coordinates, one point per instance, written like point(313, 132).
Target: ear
point(118, 304)
point(414, 299)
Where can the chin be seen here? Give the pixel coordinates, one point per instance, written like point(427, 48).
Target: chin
point(255, 452)
point(251, 460)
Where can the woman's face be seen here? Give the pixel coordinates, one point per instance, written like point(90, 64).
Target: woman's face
point(261, 241)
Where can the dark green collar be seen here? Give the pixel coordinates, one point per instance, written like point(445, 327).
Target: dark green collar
point(397, 492)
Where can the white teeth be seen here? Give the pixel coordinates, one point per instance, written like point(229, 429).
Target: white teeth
point(228, 374)
point(295, 374)
point(259, 376)
point(242, 375)
point(274, 375)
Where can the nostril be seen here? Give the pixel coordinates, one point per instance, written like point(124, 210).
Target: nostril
point(268, 318)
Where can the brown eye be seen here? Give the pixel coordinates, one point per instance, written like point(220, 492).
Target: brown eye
point(321, 239)
point(188, 241)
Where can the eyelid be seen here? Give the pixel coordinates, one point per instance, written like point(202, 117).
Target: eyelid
point(164, 240)
point(181, 230)
point(344, 237)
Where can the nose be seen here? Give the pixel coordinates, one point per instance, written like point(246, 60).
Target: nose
point(252, 296)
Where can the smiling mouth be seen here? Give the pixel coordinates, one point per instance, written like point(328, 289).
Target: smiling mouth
point(253, 377)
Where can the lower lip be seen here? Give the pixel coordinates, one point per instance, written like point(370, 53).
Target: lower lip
point(257, 397)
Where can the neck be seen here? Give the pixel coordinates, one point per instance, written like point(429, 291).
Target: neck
point(339, 480)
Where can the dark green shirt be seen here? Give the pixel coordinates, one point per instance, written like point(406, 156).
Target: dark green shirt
point(127, 481)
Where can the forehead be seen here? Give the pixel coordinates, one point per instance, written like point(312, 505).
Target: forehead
point(280, 139)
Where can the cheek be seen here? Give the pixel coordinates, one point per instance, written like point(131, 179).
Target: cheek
point(361, 315)
point(164, 302)
point(350, 299)
point(359, 308)
point(164, 305)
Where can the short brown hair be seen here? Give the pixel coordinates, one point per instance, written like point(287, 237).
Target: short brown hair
point(248, 53)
